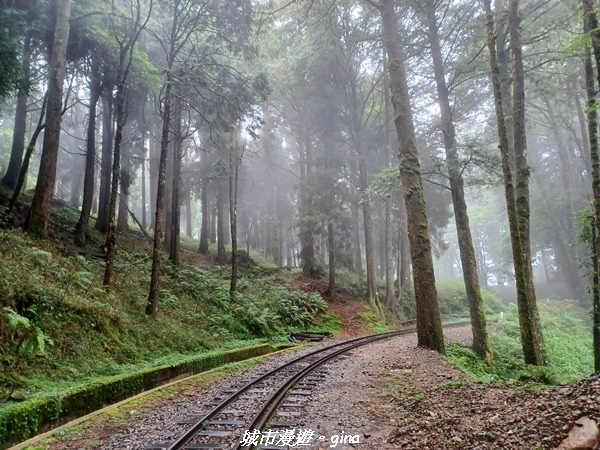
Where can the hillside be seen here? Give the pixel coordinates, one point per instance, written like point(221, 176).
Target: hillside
point(59, 327)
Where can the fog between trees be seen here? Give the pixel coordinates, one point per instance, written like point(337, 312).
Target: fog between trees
point(279, 127)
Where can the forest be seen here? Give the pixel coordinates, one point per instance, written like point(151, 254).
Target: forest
point(386, 149)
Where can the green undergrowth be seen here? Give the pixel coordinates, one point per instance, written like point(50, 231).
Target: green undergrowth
point(452, 298)
point(59, 327)
point(567, 332)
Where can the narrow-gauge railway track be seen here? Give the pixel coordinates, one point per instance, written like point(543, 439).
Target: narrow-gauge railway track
point(251, 405)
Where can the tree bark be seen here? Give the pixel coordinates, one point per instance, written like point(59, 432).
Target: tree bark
point(81, 228)
point(233, 188)
point(39, 214)
point(144, 210)
point(25, 166)
point(121, 118)
point(20, 126)
point(153, 165)
point(188, 214)
point(176, 185)
point(105, 165)
point(590, 25)
point(272, 238)
point(220, 221)
point(531, 347)
point(152, 304)
point(429, 324)
point(481, 344)
point(390, 298)
point(124, 182)
point(522, 173)
point(307, 250)
point(203, 247)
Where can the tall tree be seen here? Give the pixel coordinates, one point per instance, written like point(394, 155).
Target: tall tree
point(126, 39)
point(591, 27)
point(20, 125)
point(481, 344)
point(39, 214)
point(90, 156)
point(522, 172)
point(529, 341)
point(429, 324)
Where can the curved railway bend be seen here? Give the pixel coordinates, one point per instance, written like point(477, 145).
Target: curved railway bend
point(385, 395)
point(220, 424)
point(264, 411)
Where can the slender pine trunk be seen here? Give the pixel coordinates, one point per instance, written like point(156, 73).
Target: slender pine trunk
point(481, 344)
point(590, 25)
point(81, 228)
point(429, 324)
point(531, 348)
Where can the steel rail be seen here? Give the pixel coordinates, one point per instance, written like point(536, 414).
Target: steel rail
point(262, 417)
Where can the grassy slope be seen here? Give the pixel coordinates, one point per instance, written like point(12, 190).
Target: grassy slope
point(567, 332)
point(69, 330)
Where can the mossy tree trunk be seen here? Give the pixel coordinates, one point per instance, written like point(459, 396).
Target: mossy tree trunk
point(522, 171)
point(429, 324)
point(481, 344)
point(590, 25)
point(531, 347)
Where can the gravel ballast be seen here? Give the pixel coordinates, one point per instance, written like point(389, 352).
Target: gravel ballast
point(386, 395)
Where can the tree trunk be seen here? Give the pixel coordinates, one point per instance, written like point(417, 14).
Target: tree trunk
point(144, 218)
point(20, 125)
point(220, 222)
point(372, 295)
point(233, 187)
point(77, 176)
point(152, 304)
point(21, 181)
point(105, 166)
point(168, 207)
point(590, 25)
point(481, 344)
point(176, 186)
point(356, 230)
point(81, 228)
point(331, 257)
point(271, 238)
point(188, 215)
point(585, 154)
point(307, 250)
point(405, 263)
point(429, 324)
point(121, 118)
point(203, 248)
point(153, 165)
point(522, 173)
point(39, 214)
point(531, 347)
point(390, 298)
point(124, 182)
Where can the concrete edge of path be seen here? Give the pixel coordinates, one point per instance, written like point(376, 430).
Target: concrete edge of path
point(180, 372)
